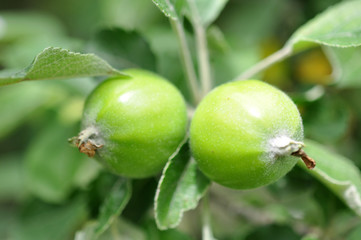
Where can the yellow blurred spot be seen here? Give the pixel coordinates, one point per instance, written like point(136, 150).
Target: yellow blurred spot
point(71, 111)
point(313, 67)
point(277, 74)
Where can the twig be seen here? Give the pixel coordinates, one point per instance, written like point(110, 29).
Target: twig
point(202, 49)
point(206, 228)
point(265, 63)
point(187, 60)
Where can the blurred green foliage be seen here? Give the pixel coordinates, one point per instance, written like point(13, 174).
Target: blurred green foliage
point(50, 191)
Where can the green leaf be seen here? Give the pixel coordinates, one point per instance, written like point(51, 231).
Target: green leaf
point(171, 8)
point(243, 30)
point(8, 222)
point(123, 49)
point(338, 173)
point(18, 103)
point(24, 34)
point(11, 178)
point(19, 54)
point(206, 10)
point(153, 232)
point(180, 188)
point(136, 15)
point(276, 231)
point(216, 40)
point(328, 119)
point(120, 229)
point(86, 173)
point(18, 25)
point(355, 234)
point(113, 205)
point(346, 66)
point(40, 221)
point(51, 165)
point(57, 63)
point(310, 237)
point(163, 43)
point(342, 222)
point(338, 26)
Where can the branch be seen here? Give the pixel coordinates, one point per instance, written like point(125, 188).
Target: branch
point(265, 63)
point(202, 49)
point(206, 229)
point(187, 61)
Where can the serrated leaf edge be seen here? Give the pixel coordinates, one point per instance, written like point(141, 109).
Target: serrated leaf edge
point(305, 39)
point(162, 179)
point(164, 12)
point(161, 226)
point(62, 50)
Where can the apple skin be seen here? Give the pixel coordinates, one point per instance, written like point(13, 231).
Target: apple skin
point(238, 134)
point(138, 123)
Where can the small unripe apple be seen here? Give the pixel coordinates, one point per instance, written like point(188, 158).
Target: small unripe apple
point(132, 126)
point(246, 134)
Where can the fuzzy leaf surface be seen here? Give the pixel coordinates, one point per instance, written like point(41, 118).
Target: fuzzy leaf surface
point(114, 204)
point(171, 8)
point(346, 66)
point(180, 188)
point(338, 26)
point(207, 10)
point(337, 173)
point(57, 63)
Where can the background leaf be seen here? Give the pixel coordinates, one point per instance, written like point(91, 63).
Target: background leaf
point(43, 222)
point(153, 233)
point(339, 174)
point(147, 14)
point(56, 63)
point(25, 34)
point(123, 49)
point(338, 26)
point(18, 103)
point(12, 184)
point(25, 24)
point(164, 45)
point(208, 10)
point(346, 66)
point(355, 234)
point(51, 165)
point(119, 229)
point(171, 8)
point(113, 205)
point(327, 119)
point(238, 37)
point(181, 187)
point(248, 39)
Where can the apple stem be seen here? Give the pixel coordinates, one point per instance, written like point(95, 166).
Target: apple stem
point(309, 162)
point(285, 146)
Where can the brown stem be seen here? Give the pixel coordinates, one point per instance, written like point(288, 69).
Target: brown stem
point(87, 141)
point(310, 163)
point(88, 148)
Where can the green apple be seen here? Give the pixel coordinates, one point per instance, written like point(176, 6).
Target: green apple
point(243, 134)
point(133, 125)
